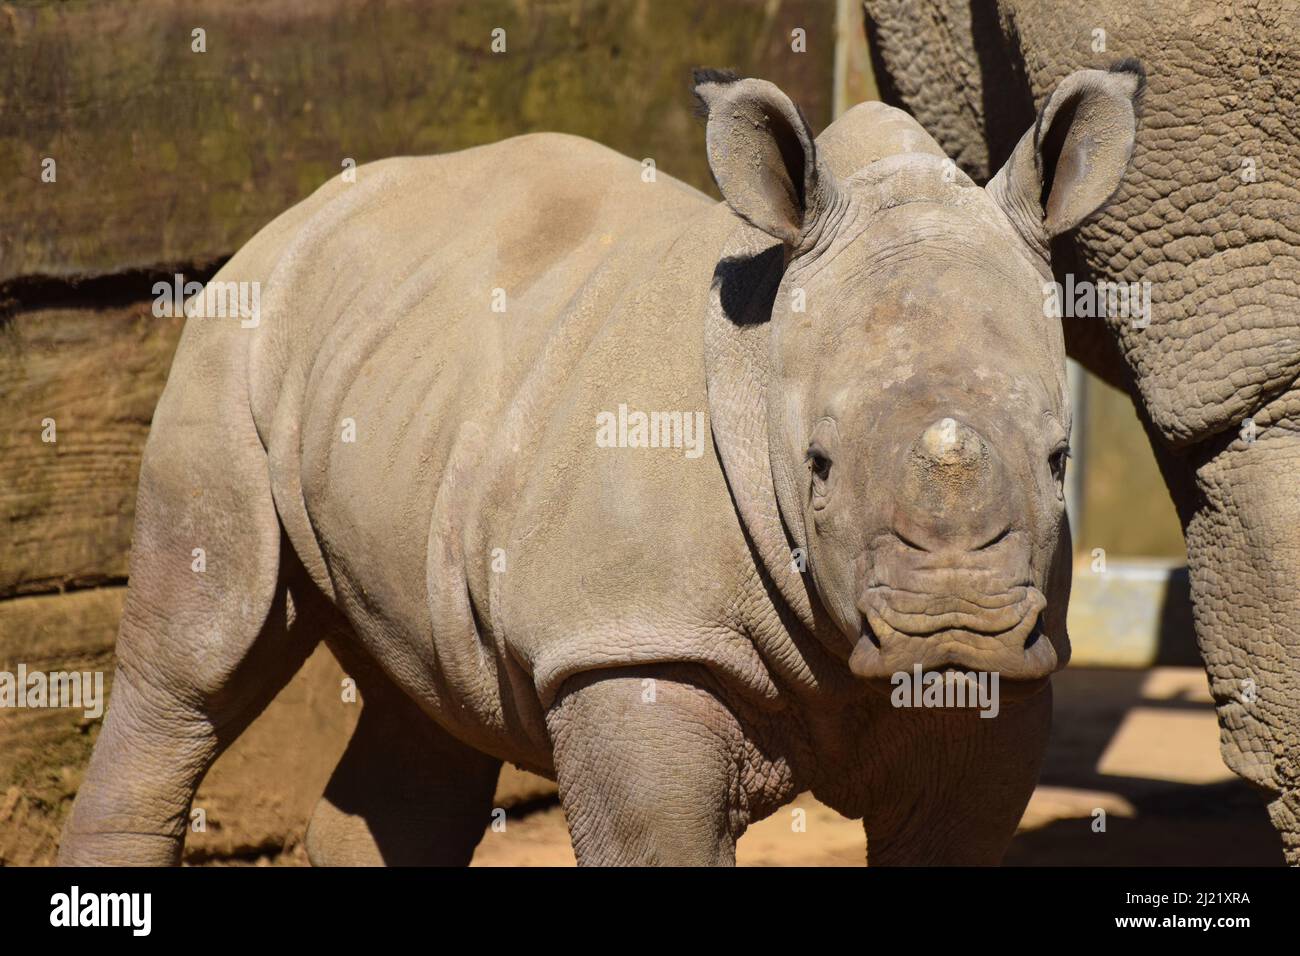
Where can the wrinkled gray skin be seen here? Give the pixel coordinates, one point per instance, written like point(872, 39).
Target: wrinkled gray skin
point(1223, 256)
point(627, 620)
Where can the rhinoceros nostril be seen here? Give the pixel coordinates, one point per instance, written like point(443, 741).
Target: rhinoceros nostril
point(909, 543)
point(995, 540)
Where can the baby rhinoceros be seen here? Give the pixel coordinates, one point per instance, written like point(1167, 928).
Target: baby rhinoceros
point(690, 506)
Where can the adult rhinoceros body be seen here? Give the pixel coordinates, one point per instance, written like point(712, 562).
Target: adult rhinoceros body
point(403, 457)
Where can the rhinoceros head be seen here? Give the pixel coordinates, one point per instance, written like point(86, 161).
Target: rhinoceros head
point(917, 412)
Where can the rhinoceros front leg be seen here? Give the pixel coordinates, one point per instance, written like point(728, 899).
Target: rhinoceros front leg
point(1243, 546)
point(948, 787)
point(649, 768)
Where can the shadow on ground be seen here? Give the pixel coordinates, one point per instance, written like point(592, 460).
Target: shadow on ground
point(1144, 747)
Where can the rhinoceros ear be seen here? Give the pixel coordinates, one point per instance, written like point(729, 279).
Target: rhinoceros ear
point(763, 156)
point(1070, 163)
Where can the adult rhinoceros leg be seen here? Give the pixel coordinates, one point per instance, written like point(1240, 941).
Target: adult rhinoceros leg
point(1243, 544)
point(649, 768)
point(947, 62)
point(405, 793)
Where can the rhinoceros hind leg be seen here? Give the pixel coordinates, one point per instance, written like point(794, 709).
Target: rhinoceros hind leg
point(208, 636)
point(405, 793)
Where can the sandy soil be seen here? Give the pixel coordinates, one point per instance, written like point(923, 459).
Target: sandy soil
point(1141, 745)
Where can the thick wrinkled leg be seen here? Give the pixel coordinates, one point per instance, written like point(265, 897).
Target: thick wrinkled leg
point(950, 787)
point(208, 636)
point(648, 769)
point(1243, 544)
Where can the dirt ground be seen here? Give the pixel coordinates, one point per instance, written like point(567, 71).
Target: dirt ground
point(1141, 745)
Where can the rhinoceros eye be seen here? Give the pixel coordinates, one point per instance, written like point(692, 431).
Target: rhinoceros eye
point(1057, 462)
point(819, 464)
point(821, 445)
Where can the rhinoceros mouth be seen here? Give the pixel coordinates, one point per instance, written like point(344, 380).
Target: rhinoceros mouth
point(999, 632)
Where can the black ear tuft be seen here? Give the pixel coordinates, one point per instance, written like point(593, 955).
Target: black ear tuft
point(1134, 66)
point(704, 74)
point(701, 75)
